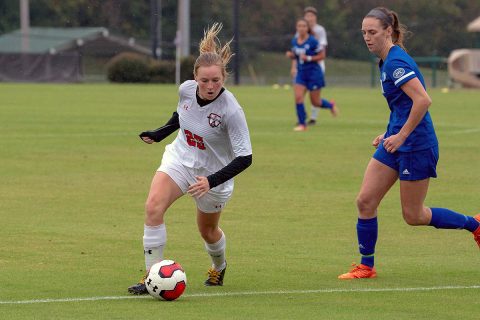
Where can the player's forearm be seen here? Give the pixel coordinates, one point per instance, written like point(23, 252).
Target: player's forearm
point(232, 169)
point(164, 131)
point(419, 109)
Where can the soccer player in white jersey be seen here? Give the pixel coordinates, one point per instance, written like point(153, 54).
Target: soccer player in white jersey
point(211, 147)
point(318, 31)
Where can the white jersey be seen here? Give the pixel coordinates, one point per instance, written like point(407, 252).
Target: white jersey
point(321, 35)
point(210, 137)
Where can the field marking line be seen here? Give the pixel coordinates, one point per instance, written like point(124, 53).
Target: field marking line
point(248, 293)
point(466, 131)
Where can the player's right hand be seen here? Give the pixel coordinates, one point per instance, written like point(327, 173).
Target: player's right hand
point(378, 140)
point(147, 140)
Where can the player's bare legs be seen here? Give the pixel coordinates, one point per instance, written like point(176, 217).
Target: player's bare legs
point(215, 244)
point(317, 103)
point(412, 195)
point(163, 192)
point(299, 92)
point(378, 179)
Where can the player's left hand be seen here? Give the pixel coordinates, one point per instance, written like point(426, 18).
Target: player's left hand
point(199, 188)
point(392, 143)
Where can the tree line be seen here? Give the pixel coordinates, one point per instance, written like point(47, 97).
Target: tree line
point(436, 26)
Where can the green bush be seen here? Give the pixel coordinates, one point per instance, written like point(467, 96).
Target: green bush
point(128, 67)
point(132, 67)
point(162, 71)
point(186, 68)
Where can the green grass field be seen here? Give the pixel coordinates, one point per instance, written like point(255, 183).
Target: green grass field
point(74, 177)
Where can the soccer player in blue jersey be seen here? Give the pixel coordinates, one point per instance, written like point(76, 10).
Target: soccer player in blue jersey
point(305, 53)
point(408, 150)
point(319, 32)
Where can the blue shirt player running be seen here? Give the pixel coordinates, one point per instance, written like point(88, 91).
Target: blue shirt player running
point(306, 52)
point(407, 151)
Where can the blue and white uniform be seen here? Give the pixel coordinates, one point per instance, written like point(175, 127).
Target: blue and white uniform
point(309, 73)
point(397, 69)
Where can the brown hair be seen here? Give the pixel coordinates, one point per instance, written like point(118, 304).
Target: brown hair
point(389, 18)
point(311, 10)
point(309, 30)
point(212, 52)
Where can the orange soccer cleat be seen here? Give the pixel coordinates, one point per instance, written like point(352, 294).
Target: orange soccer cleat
point(335, 111)
point(360, 271)
point(300, 127)
point(476, 233)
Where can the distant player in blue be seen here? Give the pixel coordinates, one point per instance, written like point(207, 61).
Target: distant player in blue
point(305, 53)
point(408, 150)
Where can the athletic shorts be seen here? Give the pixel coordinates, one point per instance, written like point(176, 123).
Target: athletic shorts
point(411, 166)
point(213, 201)
point(311, 79)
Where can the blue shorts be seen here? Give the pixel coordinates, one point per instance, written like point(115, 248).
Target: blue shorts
point(311, 79)
point(414, 165)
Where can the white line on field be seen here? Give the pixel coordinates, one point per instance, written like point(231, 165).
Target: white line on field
point(249, 293)
point(465, 131)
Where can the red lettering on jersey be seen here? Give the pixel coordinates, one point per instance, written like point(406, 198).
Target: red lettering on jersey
point(194, 140)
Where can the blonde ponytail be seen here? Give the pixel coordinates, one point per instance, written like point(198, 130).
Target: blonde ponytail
point(212, 52)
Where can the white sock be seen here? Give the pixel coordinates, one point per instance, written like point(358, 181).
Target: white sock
point(154, 240)
point(314, 113)
point(217, 252)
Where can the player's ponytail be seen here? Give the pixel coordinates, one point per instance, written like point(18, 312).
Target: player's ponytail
point(399, 30)
point(212, 52)
point(389, 18)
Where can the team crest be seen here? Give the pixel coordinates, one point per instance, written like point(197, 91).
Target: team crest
point(398, 73)
point(214, 120)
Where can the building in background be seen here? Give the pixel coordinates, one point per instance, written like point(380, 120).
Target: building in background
point(60, 54)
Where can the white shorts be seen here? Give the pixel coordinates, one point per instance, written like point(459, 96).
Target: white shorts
point(213, 201)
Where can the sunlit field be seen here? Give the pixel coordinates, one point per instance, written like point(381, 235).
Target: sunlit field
point(74, 178)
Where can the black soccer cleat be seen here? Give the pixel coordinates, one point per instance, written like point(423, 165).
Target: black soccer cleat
point(139, 288)
point(215, 278)
point(312, 122)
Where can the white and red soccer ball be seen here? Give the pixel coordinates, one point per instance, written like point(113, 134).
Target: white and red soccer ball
point(166, 280)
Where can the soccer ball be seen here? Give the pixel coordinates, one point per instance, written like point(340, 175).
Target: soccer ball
point(166, 280)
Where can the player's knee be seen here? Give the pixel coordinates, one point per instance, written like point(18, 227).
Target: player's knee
point(365, 204)
point(208, 233)
point(316, 102)
point(414, 217)
point(154, 207)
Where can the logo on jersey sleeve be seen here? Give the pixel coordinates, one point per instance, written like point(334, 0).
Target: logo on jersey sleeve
point(214, 120)
point(398, 73)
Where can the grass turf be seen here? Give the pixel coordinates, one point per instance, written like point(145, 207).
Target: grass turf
point(75, 177)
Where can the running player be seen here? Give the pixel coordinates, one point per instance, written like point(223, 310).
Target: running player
point(305, 53)
point(408, 150)
point(318, 31)
point(212, 146)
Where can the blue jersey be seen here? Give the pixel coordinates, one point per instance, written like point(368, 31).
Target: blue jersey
point(397, 69)
point(310, 47)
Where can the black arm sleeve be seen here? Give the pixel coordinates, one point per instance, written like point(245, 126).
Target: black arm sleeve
point(161, 133)
point(229, 171)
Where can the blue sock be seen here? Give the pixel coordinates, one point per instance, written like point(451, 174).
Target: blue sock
point(301, 114)
point(367, 233)
point(447, 219)
point(326, 104)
